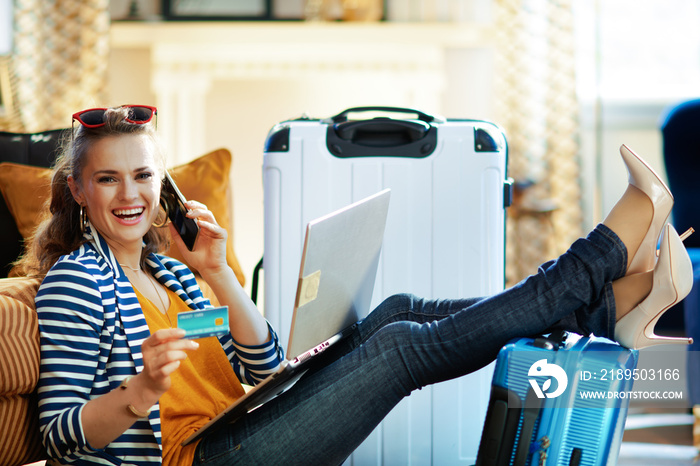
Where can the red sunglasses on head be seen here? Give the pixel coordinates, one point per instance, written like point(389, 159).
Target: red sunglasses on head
point(95, 117)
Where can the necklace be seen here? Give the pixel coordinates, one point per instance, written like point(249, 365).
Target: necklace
point(133, 269)
point(150, 280)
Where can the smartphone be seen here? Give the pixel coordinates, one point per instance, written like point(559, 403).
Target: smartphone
point(173, 202)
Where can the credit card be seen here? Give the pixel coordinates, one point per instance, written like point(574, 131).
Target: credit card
point(204, 323)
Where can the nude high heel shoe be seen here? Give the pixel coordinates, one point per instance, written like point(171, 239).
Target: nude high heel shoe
point(673, 279)
point(643, 177)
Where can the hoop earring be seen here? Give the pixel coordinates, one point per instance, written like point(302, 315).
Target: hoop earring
point(166, 218)
point(83, 219)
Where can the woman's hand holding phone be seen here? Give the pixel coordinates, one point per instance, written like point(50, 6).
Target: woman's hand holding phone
point(172, 200)
point(209, 251)
point(194, 229)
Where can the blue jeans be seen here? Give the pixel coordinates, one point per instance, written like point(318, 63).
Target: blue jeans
point(407, 343)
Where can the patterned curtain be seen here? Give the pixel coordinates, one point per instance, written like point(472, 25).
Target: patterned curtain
point(537, 106)
point(10, 119)
point(59, 61)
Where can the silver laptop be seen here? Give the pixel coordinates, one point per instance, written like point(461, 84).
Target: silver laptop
point(336, 280)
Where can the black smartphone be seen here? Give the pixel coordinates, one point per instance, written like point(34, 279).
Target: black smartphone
point(173, 202)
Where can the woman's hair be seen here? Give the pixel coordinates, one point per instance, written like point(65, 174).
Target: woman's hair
point(61, 231)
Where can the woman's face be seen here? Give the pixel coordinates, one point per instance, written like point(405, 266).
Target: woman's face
point(120, 188)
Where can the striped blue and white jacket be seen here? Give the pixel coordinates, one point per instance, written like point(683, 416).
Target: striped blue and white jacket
point(91, 328)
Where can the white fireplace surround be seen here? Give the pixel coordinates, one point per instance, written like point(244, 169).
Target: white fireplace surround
point(413, 59)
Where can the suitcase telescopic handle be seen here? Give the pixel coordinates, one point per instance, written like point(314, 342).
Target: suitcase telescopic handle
point(343, 116)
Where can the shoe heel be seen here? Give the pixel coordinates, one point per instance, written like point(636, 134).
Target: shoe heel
point(686, 234)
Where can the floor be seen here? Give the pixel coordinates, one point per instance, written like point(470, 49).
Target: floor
point(660, 433)
point(663, 437)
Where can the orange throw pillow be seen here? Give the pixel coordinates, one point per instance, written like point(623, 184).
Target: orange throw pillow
point(25, 189)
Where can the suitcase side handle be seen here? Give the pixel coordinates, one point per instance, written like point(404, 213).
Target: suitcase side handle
point(531, 412)
point(343, 116)
point(256, 281)
point(498, 438)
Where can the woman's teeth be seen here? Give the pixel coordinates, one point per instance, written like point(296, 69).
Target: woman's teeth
point(128, 213)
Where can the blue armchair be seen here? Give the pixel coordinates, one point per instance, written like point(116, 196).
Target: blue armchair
point(680, 130)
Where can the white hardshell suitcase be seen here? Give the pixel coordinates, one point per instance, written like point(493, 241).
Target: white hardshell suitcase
point(445, 237)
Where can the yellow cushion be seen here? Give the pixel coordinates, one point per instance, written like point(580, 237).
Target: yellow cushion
point(206, 179)
point(25, 189)
point(20, 440)
point(19, 336)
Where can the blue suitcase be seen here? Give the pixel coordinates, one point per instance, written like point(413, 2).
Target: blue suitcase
point(558, 400)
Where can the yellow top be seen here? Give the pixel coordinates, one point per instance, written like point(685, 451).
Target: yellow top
point(202, 386)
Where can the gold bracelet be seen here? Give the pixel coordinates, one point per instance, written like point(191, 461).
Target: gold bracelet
point(130, 407)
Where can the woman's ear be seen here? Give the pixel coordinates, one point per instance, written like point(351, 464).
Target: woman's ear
point(75, 189)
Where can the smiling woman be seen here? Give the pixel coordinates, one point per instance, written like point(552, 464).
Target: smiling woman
point(101, 239)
